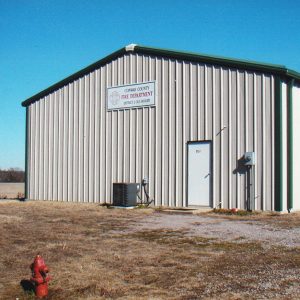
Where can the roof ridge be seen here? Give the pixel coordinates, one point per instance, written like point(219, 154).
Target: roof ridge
point(254, 66)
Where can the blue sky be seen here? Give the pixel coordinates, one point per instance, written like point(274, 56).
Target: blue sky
point(41, 42)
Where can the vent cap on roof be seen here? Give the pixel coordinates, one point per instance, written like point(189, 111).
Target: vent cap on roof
point(130, 47)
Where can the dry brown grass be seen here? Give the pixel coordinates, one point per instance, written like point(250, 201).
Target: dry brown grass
point(92, 256)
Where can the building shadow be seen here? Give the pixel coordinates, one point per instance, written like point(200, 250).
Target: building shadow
point(241, 168)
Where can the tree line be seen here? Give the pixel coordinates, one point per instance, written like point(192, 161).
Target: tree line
point(12, 175)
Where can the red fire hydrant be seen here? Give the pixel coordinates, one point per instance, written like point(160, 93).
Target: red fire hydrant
point(40, 277)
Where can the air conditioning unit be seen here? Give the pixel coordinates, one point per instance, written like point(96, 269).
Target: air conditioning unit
point(125, 194)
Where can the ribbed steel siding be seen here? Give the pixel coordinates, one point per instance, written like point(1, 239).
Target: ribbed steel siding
point(77, 149)
point(296, 145)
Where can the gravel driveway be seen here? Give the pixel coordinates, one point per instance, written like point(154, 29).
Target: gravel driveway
point(227, 230)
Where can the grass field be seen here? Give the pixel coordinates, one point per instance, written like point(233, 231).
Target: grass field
point(99, 253)
point(12, 190)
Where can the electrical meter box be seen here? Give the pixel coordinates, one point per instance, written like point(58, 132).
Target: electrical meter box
point(249, 158)
point(125, 194)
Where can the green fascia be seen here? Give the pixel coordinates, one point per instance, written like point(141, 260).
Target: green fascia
point(199, 57)
point(74, 76)
point(278, 70)
point(219, 60)
point(278, 145)
point(293, 74)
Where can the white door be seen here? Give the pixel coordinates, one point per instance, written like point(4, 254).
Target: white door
point(199, 173)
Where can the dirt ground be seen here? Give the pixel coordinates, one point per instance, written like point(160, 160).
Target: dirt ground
point(98, 253)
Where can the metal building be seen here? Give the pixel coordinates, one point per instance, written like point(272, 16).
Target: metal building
point(181, 119)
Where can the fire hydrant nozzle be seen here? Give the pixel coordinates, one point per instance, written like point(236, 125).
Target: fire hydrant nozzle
point(40, 277)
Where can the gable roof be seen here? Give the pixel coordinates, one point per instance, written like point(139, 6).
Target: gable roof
point(173, 54)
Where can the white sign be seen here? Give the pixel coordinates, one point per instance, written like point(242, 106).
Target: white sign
point(129, 96)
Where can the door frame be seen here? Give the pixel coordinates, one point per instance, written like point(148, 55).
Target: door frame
point(210, 169)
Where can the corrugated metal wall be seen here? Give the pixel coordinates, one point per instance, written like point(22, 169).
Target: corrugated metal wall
point(296, 145)
point(76, 148)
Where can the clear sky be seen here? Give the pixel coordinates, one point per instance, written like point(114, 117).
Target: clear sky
point(42, 42)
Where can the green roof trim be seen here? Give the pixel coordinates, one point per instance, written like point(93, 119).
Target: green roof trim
point(173, 54)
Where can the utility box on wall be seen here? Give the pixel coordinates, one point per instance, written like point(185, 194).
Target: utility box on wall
point(249, 158)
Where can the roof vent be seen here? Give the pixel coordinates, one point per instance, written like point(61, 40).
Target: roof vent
point(130, 47)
